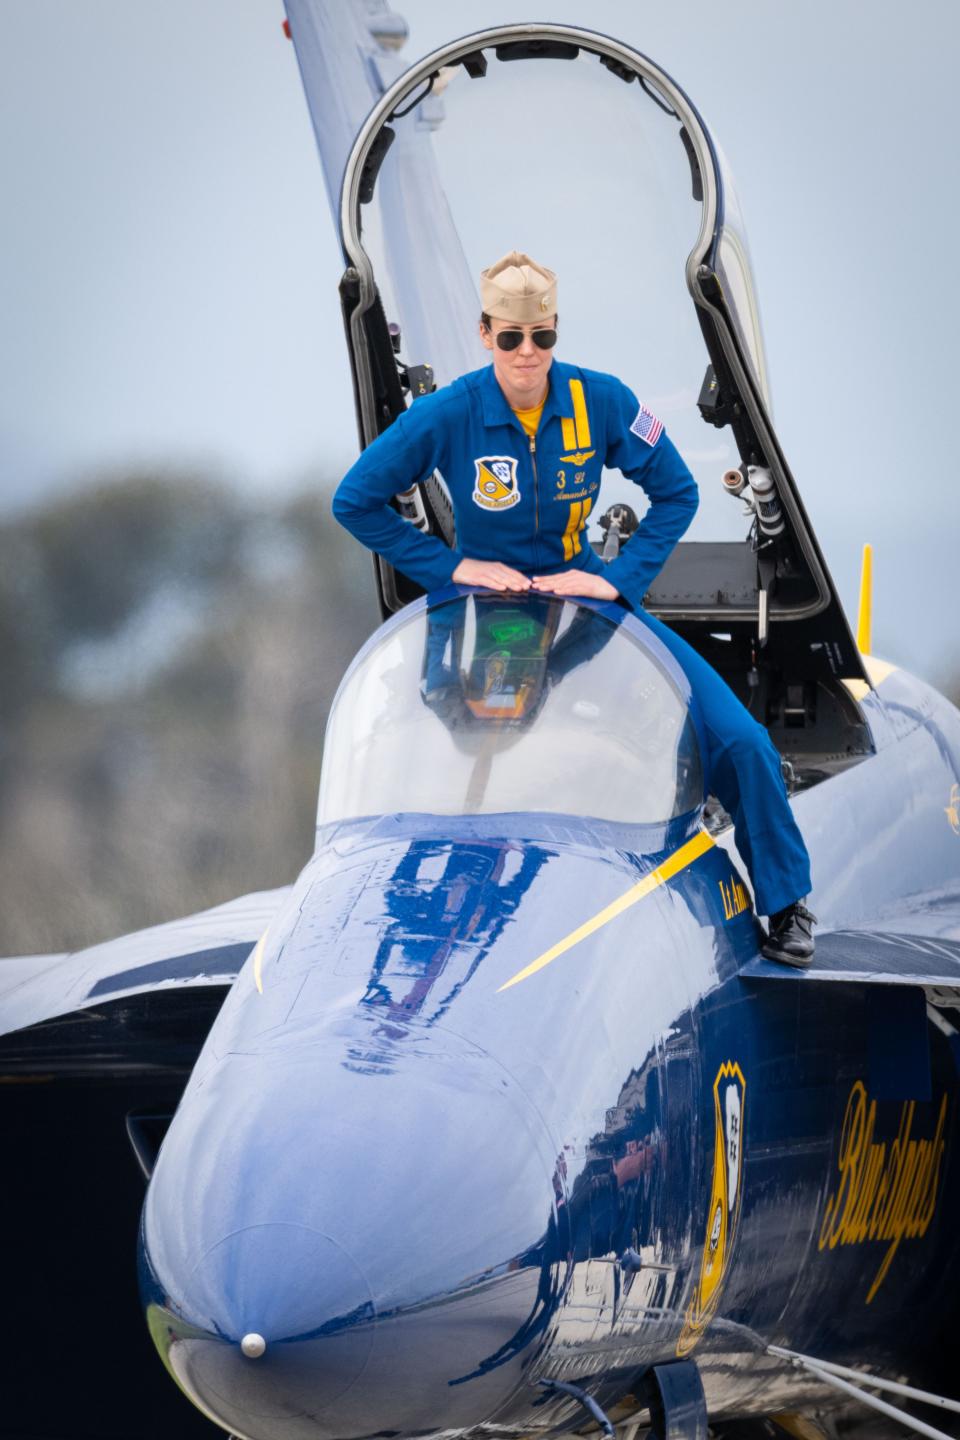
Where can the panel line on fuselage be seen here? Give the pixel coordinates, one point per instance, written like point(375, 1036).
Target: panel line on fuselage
point(679, 860)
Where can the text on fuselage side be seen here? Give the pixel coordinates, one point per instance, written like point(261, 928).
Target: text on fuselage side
point(734, 896)
point(887, 1190)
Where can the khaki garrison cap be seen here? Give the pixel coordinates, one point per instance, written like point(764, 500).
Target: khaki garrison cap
point(517, 288)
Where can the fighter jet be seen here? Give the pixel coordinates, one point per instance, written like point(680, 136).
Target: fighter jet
point(495, 1122)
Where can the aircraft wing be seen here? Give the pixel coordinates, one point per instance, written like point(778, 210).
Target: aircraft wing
point(909, 974)
point(95, 1050)
point(206, 949)
point(906, 947)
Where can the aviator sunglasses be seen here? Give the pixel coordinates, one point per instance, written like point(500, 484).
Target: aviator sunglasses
point(513, 339)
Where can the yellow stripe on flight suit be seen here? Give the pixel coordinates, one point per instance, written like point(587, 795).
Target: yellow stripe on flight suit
point(579, 416)
point(573, 524)
point(577, 522)
point(576, 432)
point(679, 860)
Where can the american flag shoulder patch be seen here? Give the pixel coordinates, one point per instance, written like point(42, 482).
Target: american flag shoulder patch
point(647, 426)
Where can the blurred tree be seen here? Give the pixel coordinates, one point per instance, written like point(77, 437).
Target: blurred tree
point(152, 765)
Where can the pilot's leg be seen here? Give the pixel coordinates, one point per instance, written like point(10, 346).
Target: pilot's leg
point(745, 775)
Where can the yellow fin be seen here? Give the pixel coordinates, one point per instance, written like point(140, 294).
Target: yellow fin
point(865, 608)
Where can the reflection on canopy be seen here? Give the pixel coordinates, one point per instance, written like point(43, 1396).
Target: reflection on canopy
point(488, 704)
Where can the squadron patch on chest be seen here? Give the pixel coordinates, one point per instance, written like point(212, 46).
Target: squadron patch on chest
point(495, 485)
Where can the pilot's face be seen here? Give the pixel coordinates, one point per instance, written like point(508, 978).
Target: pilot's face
point(522, 372)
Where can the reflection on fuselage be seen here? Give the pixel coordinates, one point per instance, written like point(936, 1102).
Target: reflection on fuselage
point(443, 907)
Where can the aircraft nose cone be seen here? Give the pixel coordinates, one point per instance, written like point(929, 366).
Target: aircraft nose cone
point(353, 1374)
point(382, 1214)
point(267, 1285)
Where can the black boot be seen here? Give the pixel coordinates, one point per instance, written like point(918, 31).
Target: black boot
point(790, 937)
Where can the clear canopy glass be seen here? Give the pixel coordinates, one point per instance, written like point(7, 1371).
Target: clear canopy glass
point(489, 704)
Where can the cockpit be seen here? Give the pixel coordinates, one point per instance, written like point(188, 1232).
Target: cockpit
point(488, 704)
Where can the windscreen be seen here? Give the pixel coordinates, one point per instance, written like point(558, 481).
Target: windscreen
point(590, 176)
point(488, 704)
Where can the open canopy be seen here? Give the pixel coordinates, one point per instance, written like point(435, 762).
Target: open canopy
point(582, 151)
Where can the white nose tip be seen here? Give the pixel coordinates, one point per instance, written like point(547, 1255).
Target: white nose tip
point(253, 1345)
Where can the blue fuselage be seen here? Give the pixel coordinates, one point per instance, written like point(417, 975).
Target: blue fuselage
point(492, 1103)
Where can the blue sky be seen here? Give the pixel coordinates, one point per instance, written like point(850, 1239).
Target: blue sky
point(169, 268)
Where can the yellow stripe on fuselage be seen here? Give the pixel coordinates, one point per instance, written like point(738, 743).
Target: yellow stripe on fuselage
point(579, 417)
point(878, 670)
point(679, 860)
point(258, 961)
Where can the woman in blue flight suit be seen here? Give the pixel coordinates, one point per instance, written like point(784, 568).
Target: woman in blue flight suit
point(521, 445)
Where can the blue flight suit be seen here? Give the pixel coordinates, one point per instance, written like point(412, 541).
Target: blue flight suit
point(526, 503)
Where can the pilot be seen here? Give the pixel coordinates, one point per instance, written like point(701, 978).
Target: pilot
point(521, 444)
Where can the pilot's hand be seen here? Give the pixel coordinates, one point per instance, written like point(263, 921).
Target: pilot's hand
point(490, 574)
point(576, 582)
